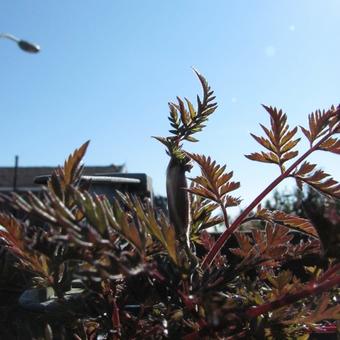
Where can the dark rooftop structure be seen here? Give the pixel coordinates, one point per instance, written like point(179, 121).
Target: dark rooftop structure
point(103, 180)
point(22, 178)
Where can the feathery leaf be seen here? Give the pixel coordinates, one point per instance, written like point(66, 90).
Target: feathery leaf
point(213, 184)
point(279, 141)
point(318, 179)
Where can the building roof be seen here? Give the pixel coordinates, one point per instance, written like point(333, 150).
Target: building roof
point(26, 175)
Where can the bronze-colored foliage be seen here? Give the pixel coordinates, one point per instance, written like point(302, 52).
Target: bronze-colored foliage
point(265, 247)
point(322, 129)
point(77, 265)
point(214, 184)
point(332, 145)
point(158, 227)
point(323, 311)
point(279, 140)
point(13, 234)
point(202, 215)
point(13, 237)
point(321, 122)
point(185, 122)
point(70, 173)
point(185, 119)
point(317, 179)
point(288, 220)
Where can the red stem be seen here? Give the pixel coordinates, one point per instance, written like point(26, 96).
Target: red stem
point(311, 289)
point(328, 329)
point(330, 271)
point(225, 215)
point(116, 318)
point(192, 336)
point(228, 232)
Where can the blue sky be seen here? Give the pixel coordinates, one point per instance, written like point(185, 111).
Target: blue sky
point(108, 68)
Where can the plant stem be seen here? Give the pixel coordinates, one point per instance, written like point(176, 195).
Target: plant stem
point(330, 271)
point(115, 318)
point(312, 289)
point(328, 329)
point(227, 233)
point(225, 215)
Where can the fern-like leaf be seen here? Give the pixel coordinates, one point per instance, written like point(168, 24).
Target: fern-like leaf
point(185, 120)
point(214, 183)
point(320, 123)
point(323, 311)
point(14, 237)
point(318, 179)
point(202, 216)
point(72, 170)
point(159, 228)
point(12, 233)
point(291, 221)
point(331, 145)
point(69, 174)
point(294, 222)
point(278, 141)
point(265, 247)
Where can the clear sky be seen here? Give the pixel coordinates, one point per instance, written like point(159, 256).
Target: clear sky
point(108, 68)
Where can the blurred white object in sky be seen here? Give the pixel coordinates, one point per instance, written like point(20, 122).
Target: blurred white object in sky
point(270, 51)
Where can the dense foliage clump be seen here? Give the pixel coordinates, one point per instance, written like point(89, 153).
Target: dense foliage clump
point(75, 266)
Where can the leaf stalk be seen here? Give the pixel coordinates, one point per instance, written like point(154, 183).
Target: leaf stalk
point(312, 289)
point(216, 248)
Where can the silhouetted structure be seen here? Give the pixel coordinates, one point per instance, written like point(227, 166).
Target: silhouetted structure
point(21, 179)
